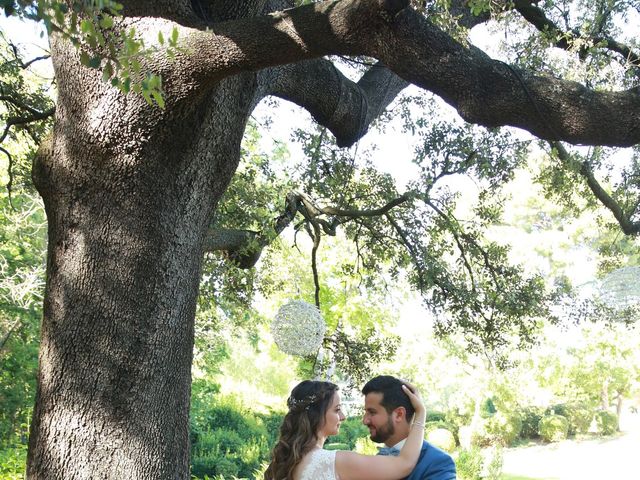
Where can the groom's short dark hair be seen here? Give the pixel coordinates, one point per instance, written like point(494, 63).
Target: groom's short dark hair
point(392, 394)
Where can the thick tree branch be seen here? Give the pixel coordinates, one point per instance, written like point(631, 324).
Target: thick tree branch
point(460, 10)
point(302, 33)
point(180, 11)
point(245, 246)
point(483, 90)
point(344, 107)
point(491, 93)
point(375, 212)
point(626, 224)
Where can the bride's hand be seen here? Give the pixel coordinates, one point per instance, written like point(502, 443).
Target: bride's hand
point(414, 396)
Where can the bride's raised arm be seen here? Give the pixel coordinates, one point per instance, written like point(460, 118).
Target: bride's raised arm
point(353, 466)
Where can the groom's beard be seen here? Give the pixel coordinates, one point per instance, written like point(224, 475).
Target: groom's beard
point(384, 432)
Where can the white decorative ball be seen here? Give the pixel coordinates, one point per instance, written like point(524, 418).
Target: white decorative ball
point(298, 328)
point(621, 288)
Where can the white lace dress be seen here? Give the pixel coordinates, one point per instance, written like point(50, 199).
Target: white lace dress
point(319, 464)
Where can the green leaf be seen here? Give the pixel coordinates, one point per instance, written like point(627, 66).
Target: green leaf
point(73, 27)
point(147, 97)
point(106, 22)
point(85, 59)
point(157, 96)
point(174, 37)
point(135, 66)
point(86, 26)
point(107, 72)
point(94, 62)
point(91, 40)
point(59, 16)
point(160, 38)
point(154, 82)
point(100, 39)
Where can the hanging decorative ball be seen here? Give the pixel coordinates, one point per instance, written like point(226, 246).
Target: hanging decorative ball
point(298, 328)
point(621, 288)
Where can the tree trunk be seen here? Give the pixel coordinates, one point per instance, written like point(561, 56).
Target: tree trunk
point(604, 394)
point(619, 401)
point(129, 191)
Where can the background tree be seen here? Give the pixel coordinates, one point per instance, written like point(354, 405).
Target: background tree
point(22, 249)
point(131, 189)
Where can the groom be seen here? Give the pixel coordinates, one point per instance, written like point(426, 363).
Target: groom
point(388, 413)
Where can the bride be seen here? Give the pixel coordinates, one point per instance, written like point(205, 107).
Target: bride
point(315, 414)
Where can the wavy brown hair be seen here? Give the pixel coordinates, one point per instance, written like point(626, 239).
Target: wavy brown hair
point(308, 403)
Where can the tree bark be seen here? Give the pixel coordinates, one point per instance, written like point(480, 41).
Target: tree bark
point(129, 192)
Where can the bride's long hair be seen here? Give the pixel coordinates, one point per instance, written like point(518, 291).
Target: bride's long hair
point(308, 403)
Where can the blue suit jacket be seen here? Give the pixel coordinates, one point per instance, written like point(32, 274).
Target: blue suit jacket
point(433, 464)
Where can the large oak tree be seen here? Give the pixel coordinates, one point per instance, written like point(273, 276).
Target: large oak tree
point(130, 189)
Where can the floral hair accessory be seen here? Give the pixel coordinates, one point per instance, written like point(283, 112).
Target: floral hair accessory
point(297, 405)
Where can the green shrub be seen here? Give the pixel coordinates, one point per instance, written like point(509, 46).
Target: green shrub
point(480, 437)
point(436, 417)
point(229, 440)
point(503, 429)
point(214, 465)
point(530, 417)
point(271, 422)
point(581, 417)
point(469, 464)
point(241, 457)
point(493, 463)
point(442, 438)
point(578, 415)
point(479, 464)
point(500, 429)
point(226, 413)
point(12, 462)
point(258, 473)
point(607, 422)
point(553, 428)
point(351, 430)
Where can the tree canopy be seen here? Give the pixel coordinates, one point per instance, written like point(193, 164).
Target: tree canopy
point(463, 276)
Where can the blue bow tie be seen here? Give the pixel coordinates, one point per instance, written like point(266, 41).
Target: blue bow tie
point(393, 451)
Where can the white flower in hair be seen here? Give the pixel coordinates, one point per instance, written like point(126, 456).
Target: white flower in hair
point(298, 328)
